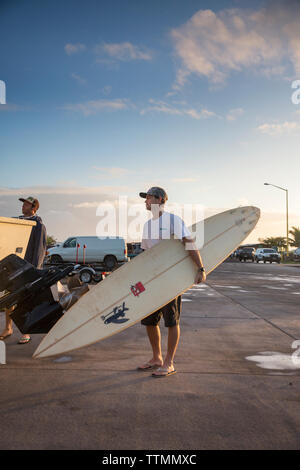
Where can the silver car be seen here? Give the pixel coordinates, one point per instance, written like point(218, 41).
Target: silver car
point(267, 254)
point(296, 254)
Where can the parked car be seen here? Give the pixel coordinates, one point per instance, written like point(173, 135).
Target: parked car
point(296, 254)
point(267, 254)
point(237, 252)
point(246, 253)
point(110, 251)
point(133, 249)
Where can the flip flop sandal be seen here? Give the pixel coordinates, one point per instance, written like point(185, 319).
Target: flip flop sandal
point(3, 337)
point(166, 373)
point(148, 367)
point(24, 340)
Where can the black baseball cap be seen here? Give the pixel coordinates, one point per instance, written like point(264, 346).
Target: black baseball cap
point(157, 192)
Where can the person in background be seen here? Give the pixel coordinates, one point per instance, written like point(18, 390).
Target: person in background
point(35, 253)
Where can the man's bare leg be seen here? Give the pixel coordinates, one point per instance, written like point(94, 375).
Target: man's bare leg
point(8, 324)
point(8, 331)
point(155, 341)
point(173, 340)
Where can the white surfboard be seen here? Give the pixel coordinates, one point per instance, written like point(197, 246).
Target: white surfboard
point(149, 281)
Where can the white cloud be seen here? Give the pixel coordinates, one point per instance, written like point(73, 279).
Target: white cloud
point(12, 107)
point(203, 114)
point(279, 129)
point(184, 180)
point(242, 201)
point(63, 190)
point(86, 205)
point(99, 203)
point(124, 51)
point(96, 106)
point(161, 107)
point(233, 114)
point(80, 80)
point(114, 172)
point(71, 211)
point(270, 72)
point(66, 211)
point(214, 45)
point(167, 108)
point(71, 49)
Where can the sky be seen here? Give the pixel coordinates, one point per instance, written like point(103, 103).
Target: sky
point(106, 99)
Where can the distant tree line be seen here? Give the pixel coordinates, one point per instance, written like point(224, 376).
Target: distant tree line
point(280, 242)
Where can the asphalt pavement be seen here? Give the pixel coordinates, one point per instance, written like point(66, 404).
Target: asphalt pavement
point(236, 387)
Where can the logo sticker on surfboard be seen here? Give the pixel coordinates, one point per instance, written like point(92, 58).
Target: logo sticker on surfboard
point(115, 316)
point(137, 289)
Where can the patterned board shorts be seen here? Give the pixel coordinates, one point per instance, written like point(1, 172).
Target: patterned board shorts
point(170, 312)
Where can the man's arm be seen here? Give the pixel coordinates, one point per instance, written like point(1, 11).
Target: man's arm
point(196, 257)
point(40, 242)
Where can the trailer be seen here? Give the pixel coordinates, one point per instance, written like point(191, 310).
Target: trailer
point(86, 273)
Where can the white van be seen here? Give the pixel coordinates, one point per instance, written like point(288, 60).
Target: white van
point(109, 251)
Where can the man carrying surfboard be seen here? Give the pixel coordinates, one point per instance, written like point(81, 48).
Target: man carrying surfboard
point(164, 225)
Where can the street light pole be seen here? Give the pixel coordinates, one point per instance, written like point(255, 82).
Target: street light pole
point(287, 212)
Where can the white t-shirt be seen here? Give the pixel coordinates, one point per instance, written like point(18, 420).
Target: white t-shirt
point(163, 228)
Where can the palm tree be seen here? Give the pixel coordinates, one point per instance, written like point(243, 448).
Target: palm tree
point(295, 232)
point(270, 242)
point(51, 240)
